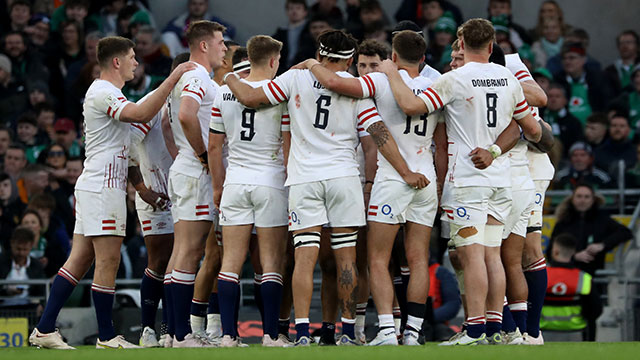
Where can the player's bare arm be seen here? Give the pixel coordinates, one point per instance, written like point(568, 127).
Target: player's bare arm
point(370, 165)
point(441, 157)
point(144, 112)
point(547, 140)
point(482, 158)
point(330, 80)
point(216, 142)
point(533, 93)
point(188, 117)
point(406, 99)
point(389, 149)
point(156, 200)
point(248, 96)
point(167, 134)
point(531, 128)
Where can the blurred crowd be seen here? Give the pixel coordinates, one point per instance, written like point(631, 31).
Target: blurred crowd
point(48, 60)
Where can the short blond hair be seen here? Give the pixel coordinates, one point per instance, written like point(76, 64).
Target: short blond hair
point(478, 33)
point(261, 48)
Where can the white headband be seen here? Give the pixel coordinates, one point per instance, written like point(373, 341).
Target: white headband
point(242, 66)
point(346, 54)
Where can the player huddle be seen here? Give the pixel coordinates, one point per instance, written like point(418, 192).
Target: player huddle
point(269, 166)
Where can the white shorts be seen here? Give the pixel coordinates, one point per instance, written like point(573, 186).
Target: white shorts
point(191, 197)
point(101, 213)
point(337, 202)
point(262, 206)
point(535, 220)
point(520, 213)
point(470, 205)
point(152, 222)
point(395, 202)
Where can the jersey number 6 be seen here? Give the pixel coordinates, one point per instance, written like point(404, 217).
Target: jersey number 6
point(322, 113)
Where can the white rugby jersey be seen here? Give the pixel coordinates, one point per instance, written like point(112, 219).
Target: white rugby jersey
point(197, 85)
point(324, 126)
point(254, 139)
point(540, 166)
point(106, 139)
point(150, 151)
point(480, 100)
point(430, 73)
point(413, 134)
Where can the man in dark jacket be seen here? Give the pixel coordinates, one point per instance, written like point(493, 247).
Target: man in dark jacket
point(617, 147)
point(18, 265)
point(618, 74)
point(586, 88)
point(292, 35)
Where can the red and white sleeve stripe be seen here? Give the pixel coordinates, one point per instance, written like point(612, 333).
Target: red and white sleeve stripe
point(366, 115)
point(523, 75)
point(144, 128)
point(276, 92)
point(368, 86)
point(200, 92)
point(431, 99)
point(521, 110)
point(215, 112)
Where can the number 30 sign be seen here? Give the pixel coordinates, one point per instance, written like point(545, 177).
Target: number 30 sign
point(13, 332)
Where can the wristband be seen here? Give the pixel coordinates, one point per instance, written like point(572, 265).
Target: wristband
point(495, 150)
point(204, 158)
point(224, 78)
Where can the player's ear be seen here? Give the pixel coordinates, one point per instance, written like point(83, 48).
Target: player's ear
point(490, 47)
point(461, 43)
point(349, 62)
point(115, 62)
point(394, 56)
point(203, 46)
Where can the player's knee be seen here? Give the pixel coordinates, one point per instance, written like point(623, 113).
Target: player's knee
point(416, 259)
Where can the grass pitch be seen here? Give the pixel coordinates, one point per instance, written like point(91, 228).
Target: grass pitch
point(550, 351)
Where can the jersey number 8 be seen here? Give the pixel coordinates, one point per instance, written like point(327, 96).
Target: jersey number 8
point(492, 114)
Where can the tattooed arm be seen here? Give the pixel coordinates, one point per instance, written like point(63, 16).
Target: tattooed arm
point(389, 149)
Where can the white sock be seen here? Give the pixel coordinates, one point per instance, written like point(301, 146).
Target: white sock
point(197, 324)
point(214, 325)
point(386, 321)
point(397, 323)
point(413, 323)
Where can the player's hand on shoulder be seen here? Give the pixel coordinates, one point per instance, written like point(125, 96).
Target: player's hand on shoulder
point(306, 64)
point(183, 68)
point(481, 158)
point(416, 180)
point(387, 66)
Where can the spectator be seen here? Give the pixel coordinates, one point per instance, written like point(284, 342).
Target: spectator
point(68, 51)
point(550, 43)
point(633, 175)
point(629, 102)
point(67, 137)
point(378, 32)
point(5, 141)
point(64, 194)
point(124, 19)
point(173, 34)
point(88, 74)
point(50, 256)
point(565, 126)
point(330, 11)
point(439, 50)
point(53, 226)
point(617, 147)
point(618, 74)
point(38, 93)
point(365, 14)
point(109, 16)
point(293, 34)
point(549, 9)
point(571, 302)
point(18, 265)
point(19, 15)
point(39, 32)
point(54, 157)
point(14, 162)
point(586, 89)
point(316, 25)
point(89, 55)
point(597, 130)
point(151, 51)
point(34, 180)
point(45, 117)
point(581, 169)
point(432, 10)
point(141, 84)
point(26, 134)
point(580, 36)
point(443, 303)
point(13, 97)
point(76, 10)
point(502, 9)
point(24, 63)
point(10, 210)
point(543, 77)
point(139, 19)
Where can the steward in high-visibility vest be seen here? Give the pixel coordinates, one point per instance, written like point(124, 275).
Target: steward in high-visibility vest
point(563, 303)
